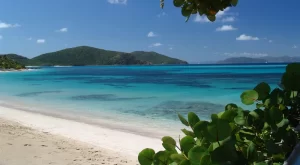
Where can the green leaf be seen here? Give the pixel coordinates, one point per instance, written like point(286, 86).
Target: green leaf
point(183, 120)
point(293, 67)
point(259, 105)
point(249, 97)
point(267, 103)
point(203, 142)
point(276, 115)
point(161, 158)
point(169, 143)
point(187, 132)
point(276, 96)
point(283, 123)
point(196, 154)
point(185, 162)
point(212, 18)
point(240, 118)
point(177, 158)
point(273, 148)
point(247, 134)
point(187, 18)
point(257, 114)
point(178, 3)
point(200, 128)
point(251, 151)
point(260, 163)
point(214, 117)
point(231, 106)
point(291, 81)
point(229, 115)
point(218, 130)
point(263, 89)
point(205, 160)
point(145, 157)
point(234, 2)
point(224, 154)
point(185, 11)
point(278, 158)
point(187, 143)
point(193, 119)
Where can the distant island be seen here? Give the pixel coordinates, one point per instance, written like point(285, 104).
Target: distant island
point(85, 55)
point(7, 64)
point(267, 59)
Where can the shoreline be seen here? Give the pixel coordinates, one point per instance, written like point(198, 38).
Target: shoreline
point(23, 145)
point(109, 120)
point(16, 70)
point(115, 140)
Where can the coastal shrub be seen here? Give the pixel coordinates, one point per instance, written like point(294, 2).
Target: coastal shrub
point(263, 136)
point(208, 8)
point(6, 63)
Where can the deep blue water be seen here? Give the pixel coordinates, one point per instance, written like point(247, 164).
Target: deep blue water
point(152, 92)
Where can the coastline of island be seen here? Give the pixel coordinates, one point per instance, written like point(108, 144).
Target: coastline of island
point(114, 142)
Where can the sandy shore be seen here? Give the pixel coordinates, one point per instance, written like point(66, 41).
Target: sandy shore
point(15, 70)
point(30, 138)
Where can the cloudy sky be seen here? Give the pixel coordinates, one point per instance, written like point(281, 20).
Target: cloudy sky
point(254, 28)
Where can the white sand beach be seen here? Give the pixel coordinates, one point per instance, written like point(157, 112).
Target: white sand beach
point(30, 138)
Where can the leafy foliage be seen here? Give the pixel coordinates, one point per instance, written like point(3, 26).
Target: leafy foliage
point(210, 8)
point(7, 63)
point(263, 136)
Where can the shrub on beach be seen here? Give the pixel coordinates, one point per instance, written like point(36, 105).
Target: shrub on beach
point(263, 136)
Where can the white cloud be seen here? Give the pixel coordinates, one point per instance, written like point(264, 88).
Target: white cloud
point(171, 48)
point(161, 14)
point(4, 25)
point(226, 28)
point(1, 37)
point(205, 47)
point(62, 30)
point(246, 54)
point(124, 2)
point(270, 41)
point(222, 13)
point(155, 45)
point(295, 47)
point(228, 19)
point(40, 41)
point(244, 37)
point(151, 34)
point(30, 38)
point(202, 19)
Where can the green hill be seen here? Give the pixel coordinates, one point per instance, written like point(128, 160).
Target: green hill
point(8, 63)
point(85, 55)
point(156, 58)
point(18, 58)
point(267, 59)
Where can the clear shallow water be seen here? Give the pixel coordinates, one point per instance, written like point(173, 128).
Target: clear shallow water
point(126, 93)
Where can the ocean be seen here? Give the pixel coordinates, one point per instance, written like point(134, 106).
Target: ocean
point(143, 97)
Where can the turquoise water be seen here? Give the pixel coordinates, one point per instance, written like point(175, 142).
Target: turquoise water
point(126, 93)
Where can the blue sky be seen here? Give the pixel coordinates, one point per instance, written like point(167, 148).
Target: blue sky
point(254, 28)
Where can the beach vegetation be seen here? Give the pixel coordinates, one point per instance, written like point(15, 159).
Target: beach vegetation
point(208, 8)
point(7, 63)
point(266, 135)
